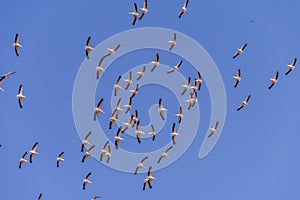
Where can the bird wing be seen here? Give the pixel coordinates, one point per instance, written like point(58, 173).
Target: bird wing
point(236, 82)
point(244, 46)
point(141, 15)
point(240, 107)
point(88, 42)
point(236, 54)
point(157, 57)
point(138, 137)
point(83, 158)
point(35, 146)
point(174, 128)
point(40, 196)
point(180, 13)
point(248, 98)
point(17, 38)
point(162, 115)
point(20, 103)
point(288, 71)
point(88, 176)
point(117, 47)
point(144, 159)
point(169, 149)
point(135, 7)
point(186, 3)
point(88, 135)
point(160, 159)
point(100, 103)
point(174, 139)
point(216, 125)
point(150, 171)
point(21, 89)
point(294, 61)
point(91, 148)
point(133, 19)
point(239, 73)
point(271, 85)
point(276, 75)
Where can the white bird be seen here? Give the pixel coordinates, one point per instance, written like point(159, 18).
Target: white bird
point(148, 179)
point(85, 141)
point(213, 129)
point(172, 42)
point(244, 103)
point(138, 132)
point(153, 133)
point(144, 10)
point(86, 180)
point(176, 67)
point(108, 154)
point(165, 154)
point(186, 86)
point(273, 80)
point(113, 118)
point(22, 160)
point(127, 124)
point(291, 66)
point(140, 165)
point(128, 81)
point(118, 138)
point(237, 78)
point(240, 50)
point(141, 73)
point(98, 109)
point(199, 81)
point(4, 77)
point(134, 14)
point(117, 86)
point(88, 47)
point(59, 159)
point(112, 51)
point(161, 110)
point(20, 96)
point(179, 115)
point(155, 63)
point(16, 44)
point(184, 8)
point(104, 151)
point(100, 68)
point(118, 107)
point(88, 153)
point(134, 91)
point(33, 152)
point(174, 134)
point(128, 105)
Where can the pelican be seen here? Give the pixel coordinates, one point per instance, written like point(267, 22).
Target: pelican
point(40, 197)
point(148, 179)
point(155, 63)
point(240, 50)
point(85, 141)
point(134, 14)
point(190, 101)
point(88, 153)
point(33, 152)
point(186, 86)
point(127, 124)
point(135, 118)
point(96, 197)
point(141, 73)
point(140, 165)
point(199, 81)
point(138, 132)
point(165, 154)
point(117, 86)
point(128, 81)
point(161, 110)
point(144, 10)
point(237, 78)
point(20, 96)
point(134, 91)
point(100, 68)
point(118, 107)
point(291, 66)
point(118, 138)
point(16, 44)
point(22, 160)
point(112, 51)
point(179, 115)
point(172, 42)
point(153, 133)
point(104, 151)
point(213, 129)
point(176, 67)
point(59, 159)
point(3, 77)
point(183, 9)
point(244, 103)
point(113, 118)
point(98, 109)
point(273, 80)
point(128, 106)
point(194, 99)
point(86, 180)
point(88, 47)
point(174, 134)
point(108, 154)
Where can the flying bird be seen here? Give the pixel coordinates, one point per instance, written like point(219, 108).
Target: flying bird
point(88, 47)
point(33, 152)
point(213, 129)
point(140, 165)
point(85, 141)
point(88, 153)
point(153, 133)
point(118, 138)
point(161, 110)
point(20, 96)
point(186, 86)
point(141, 73)
point(117, 86)
point(112, 51)
point(134, 14)
point(273, 80)
point(104, 151)
point(59, 159)
point(148, 179)
point(199, 81)
point(118, 107)
point(244, 103)
point(127, 124)
point(128, 105)
point(174, 134)
point(172, 42)
point(155, 63)
point(144, 10)
point(165, 154)
point(183, 9)
point(138, 132)
point(240, 50)
point(86, 180)
point(22, 160)
point(128, 81)
point(176, 67)
point(179, 115)
point(100, 68)
point(98, 109)
point(16, 44)
point(291, 66)
point(113, 118)
point(237, 78)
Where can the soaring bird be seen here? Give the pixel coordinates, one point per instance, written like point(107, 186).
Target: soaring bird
point(16, 44)
point(213, 129)
point(118, 138)
point(192, 99)
point(161, 110)
point(85, 141)
point(22, 160)
point(176, 67)
point(20, 96)
point(86, 180)
point(59, 159)
point(153, 133)
point(33, 152)
point(98, 109)
point(112, 51)
point(244, 103)
point(140, 165)
point(148, 179)
point(184, 8)
point(179, 115)
point(134, 91)
point(88, 47)
point(40, 197)
point(240, 50)
point(108, 154)
point(165, 154)
point(134, 14)
point(291, 66)
point(117, 86)
point(174, 134)
point(186, 86)
point(118, 107)
point(172, 42)
point(135, 118)
point(128, 81)
point(138, 132)
point(273, 80)
point(198, 80)
point(88, 153)
point(237, 78)
point(113, 118)
point(127, 124)
point(3, 77)
point(155, 63)
point(141, 73)
point(100, 68)
point(144, 10)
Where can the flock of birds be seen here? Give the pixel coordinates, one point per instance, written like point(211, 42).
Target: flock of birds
point(134, 121)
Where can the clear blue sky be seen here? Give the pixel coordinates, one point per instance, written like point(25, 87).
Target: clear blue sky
point(257, 154)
